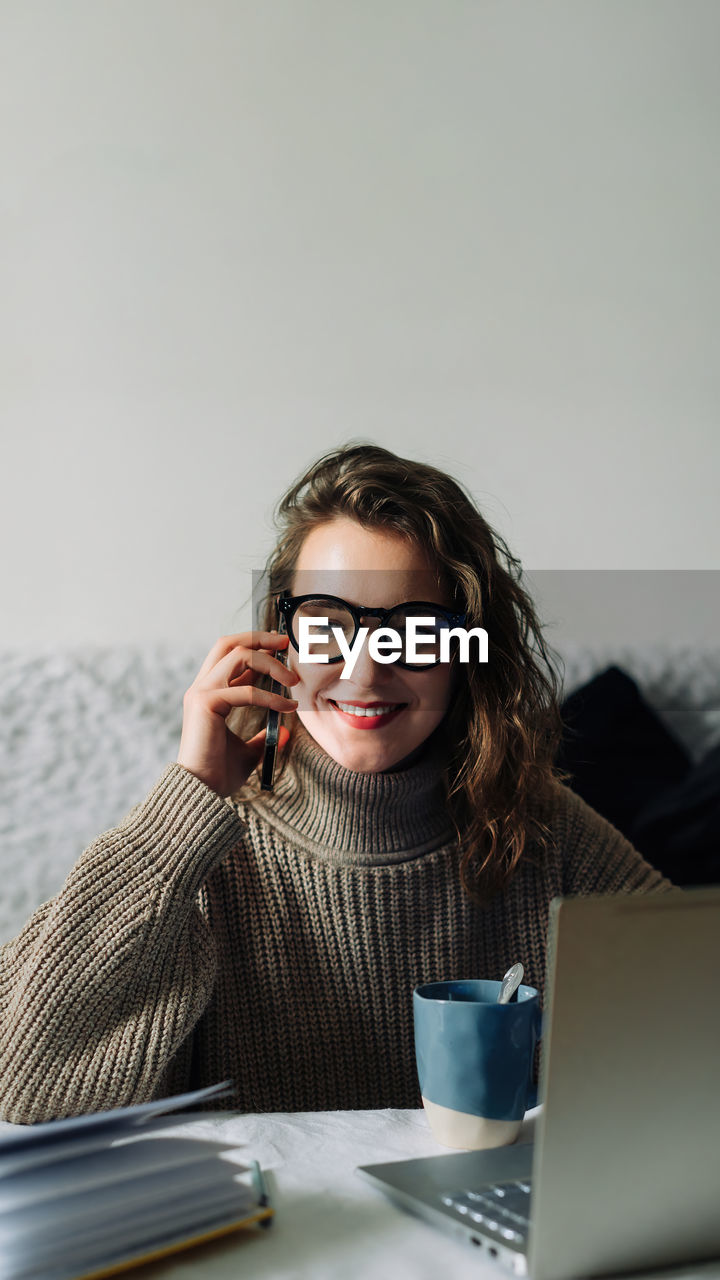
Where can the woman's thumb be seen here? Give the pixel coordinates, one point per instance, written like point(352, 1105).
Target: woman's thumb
point(256, 744)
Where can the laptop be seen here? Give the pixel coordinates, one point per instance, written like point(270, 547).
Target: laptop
point(624, 1171)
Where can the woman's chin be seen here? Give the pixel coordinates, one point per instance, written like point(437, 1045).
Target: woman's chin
point(362, 751)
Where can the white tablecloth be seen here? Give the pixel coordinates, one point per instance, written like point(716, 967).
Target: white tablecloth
point(330, 1224)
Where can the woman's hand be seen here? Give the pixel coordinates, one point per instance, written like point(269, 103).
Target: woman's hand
point(208, 748)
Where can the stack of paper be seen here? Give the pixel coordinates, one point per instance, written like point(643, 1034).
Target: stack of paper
point(90, 1195)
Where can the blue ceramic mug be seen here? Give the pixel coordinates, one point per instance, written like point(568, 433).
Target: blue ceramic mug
point(475, 1060)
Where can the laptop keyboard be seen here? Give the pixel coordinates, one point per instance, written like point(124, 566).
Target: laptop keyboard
point(503, 1209)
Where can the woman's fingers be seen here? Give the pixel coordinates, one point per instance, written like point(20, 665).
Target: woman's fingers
point(227, 679)
point(247, 639)
point(251, 661)
point(223, 700)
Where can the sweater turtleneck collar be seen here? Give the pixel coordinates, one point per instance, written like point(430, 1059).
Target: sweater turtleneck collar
point(358, 819)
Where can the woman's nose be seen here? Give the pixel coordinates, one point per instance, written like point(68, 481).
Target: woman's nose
point(366, 668)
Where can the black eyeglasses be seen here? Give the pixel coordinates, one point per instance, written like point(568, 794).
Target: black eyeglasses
point(348, 617)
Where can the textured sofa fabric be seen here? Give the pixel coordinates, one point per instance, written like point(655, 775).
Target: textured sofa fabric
point(85, 733)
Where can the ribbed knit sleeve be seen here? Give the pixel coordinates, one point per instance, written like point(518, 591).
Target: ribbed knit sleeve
point(107, 979)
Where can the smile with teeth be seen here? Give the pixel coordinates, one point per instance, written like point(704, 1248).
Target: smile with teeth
point(380, 709)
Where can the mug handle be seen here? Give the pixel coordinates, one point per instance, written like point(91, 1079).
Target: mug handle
point(531, 1098)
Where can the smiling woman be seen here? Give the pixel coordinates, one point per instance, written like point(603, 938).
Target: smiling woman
point(417, 832)
point(367, 527)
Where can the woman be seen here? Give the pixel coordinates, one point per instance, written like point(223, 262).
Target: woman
point(416, 831)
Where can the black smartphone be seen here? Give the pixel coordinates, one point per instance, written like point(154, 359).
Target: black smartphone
point(273, 722)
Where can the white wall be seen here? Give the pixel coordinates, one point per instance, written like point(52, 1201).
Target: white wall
point(235, 235)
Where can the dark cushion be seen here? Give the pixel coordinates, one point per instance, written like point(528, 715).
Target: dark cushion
point(620, 755)
point(679, 830)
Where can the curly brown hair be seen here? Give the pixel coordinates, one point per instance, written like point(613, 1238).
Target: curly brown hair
point(502, 733)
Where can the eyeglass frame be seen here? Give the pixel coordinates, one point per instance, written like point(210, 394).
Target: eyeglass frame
point(287, 607)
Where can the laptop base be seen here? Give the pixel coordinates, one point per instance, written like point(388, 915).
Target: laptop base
point(417, 1186)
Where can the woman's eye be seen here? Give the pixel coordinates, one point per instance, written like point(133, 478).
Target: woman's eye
point(317, 623)
point(323, 619)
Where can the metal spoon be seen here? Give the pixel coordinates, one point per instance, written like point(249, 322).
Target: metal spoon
point(510, 983)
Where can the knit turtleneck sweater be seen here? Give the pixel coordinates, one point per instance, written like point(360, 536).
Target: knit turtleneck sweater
point(274, 941)
point(355, 819)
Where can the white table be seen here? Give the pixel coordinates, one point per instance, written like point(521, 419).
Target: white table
point(330, 1224)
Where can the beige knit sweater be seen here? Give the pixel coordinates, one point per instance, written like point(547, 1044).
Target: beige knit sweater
point(275, 943)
